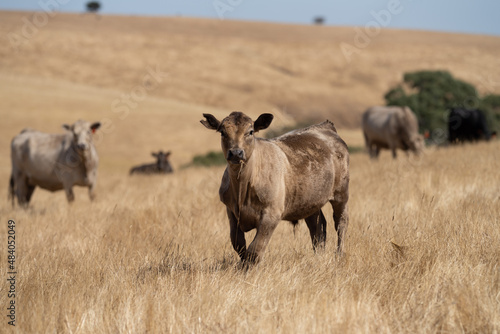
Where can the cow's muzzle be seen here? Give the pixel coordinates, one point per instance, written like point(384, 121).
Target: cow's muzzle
point(81, 147)
point(235, 156)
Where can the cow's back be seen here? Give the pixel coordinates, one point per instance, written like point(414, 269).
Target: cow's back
point(145, 169)
point(317, 162)
point(316, 144)
point(380, 124)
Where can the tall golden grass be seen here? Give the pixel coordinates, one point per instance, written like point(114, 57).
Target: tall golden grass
point(152, 254)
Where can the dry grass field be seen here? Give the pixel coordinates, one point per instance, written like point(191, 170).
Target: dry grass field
point(256, 67)
point(152, 254)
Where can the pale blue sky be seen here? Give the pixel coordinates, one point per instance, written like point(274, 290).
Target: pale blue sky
point(480, 17)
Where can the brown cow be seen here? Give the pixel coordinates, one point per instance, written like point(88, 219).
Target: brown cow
point(393, 128)
point(290, 177)
point(161, 166)
point(53, 161)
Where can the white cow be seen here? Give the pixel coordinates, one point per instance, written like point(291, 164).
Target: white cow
point(53, 161)
point(393, 128)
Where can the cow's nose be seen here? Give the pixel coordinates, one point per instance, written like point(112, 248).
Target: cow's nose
point(236, 155)
point(82, 147)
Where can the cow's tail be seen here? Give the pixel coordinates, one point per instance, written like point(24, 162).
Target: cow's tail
point(11, 193)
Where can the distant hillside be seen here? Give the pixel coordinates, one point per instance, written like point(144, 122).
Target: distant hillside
point(229, 65)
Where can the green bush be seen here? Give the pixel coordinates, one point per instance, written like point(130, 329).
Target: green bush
point(209, 159)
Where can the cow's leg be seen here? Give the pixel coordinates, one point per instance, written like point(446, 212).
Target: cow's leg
point(370, 150)
point(317, 229)
point(237, 235)
point(12, 190)
point(69, 193)
point(29, 193)
point(265, 230)
point(21, 183)
point(92, 192)
point(375, 151)
point(394, 155)
point(341, 218)
point(294, 224)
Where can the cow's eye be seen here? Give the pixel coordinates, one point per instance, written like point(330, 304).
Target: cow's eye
point(223, 134)
point(250, 133)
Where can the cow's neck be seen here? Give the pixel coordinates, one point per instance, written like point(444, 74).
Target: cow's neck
point(86, 159)
point(240, 176)
point(241, 173)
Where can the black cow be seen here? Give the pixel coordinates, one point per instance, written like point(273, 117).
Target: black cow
point(161, 166)
point(467, 125)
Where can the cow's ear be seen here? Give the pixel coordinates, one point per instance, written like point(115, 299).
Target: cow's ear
point(67, 127)
point(211, 122)
point(95, 126)
point(262, 122)
point(167, 154)
point(154, 155)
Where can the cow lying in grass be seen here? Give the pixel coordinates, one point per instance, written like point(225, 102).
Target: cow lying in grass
point(290, 177)
point(161, 166)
